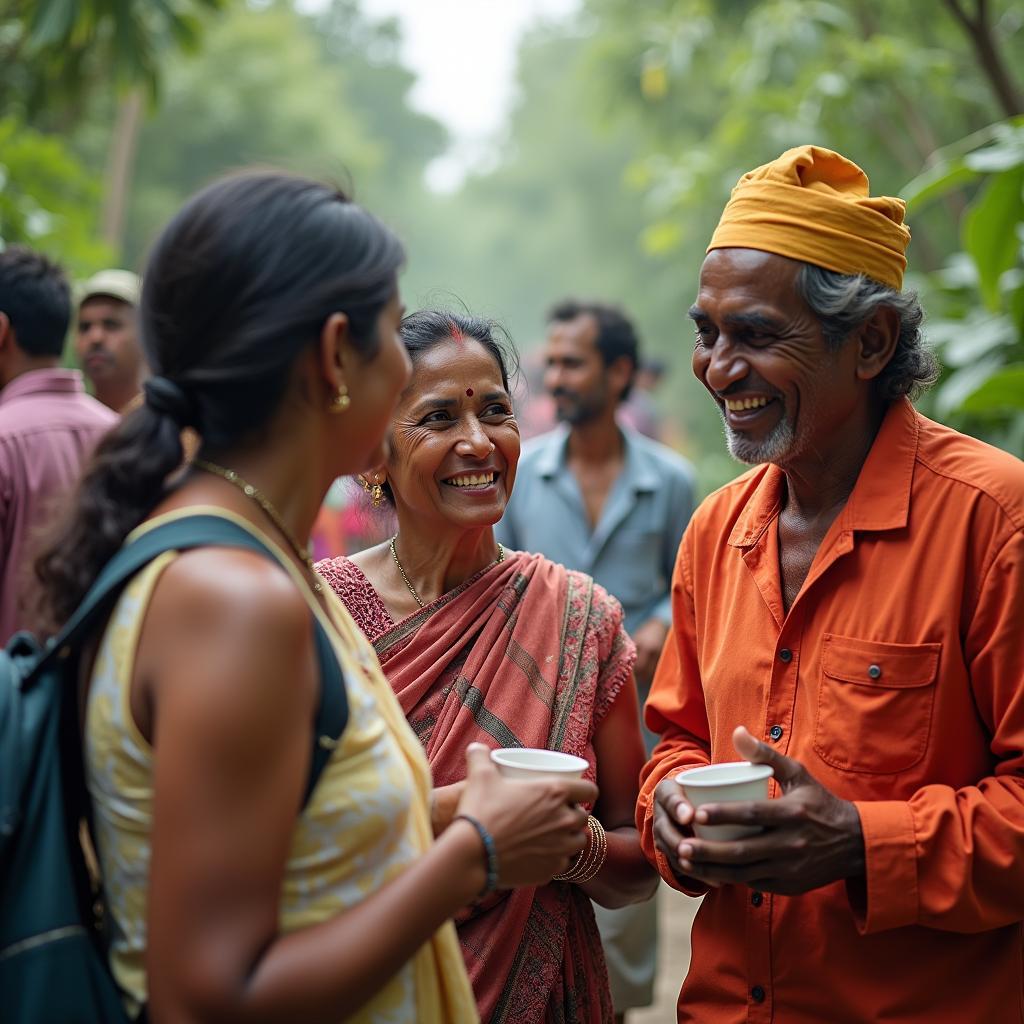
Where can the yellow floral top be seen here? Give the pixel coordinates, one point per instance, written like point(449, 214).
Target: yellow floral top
point(367, 819)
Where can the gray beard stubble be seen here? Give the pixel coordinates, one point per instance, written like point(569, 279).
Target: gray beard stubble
point(772, 449)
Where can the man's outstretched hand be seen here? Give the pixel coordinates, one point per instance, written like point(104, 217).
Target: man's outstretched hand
point(811, 837)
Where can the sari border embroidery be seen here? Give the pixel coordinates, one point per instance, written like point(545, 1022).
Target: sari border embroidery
point(473, 699)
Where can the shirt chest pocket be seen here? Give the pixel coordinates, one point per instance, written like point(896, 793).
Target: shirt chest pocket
point(874, 704)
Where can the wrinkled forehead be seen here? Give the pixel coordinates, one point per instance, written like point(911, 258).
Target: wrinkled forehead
point(735, 280)
point(453, 365)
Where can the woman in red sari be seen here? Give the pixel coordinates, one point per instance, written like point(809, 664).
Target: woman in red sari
point(503, 647)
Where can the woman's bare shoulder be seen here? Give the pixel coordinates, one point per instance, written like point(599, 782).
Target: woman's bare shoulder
point(233, 619)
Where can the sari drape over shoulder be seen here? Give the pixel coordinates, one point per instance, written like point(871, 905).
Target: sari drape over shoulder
point(525, 653)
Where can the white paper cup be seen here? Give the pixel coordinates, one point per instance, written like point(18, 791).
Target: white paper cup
point(535, 763)
point(729, 782)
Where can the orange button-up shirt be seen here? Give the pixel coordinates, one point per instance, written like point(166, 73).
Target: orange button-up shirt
point(897, 679)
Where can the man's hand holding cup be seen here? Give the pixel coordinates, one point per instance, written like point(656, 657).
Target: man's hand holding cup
point(804, 839)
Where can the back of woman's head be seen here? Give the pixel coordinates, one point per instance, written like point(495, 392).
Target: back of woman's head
point(237, 287)
point(422, 330)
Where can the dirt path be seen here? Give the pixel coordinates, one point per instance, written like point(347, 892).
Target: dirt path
point(675, 915)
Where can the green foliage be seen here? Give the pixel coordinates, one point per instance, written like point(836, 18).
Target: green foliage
point(376, 90)
point(1002, 392)
point(996, 147)
point(739, 82)
point(55, 52)
point(321, 94)
point(56, 56)
point(987, 239)
point(47, 199)
point(981, 342)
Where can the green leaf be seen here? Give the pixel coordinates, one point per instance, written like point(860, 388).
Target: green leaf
point(1006, 152)
point(48, 200)
point(1003, 390)
point(187, 31)
point(964, 382)
point(958, 273)
point(993, 248)
point(52, 23)
point(946, 167)
point(994, 159)
point(937, 181)
point(964, 341)
point(1016, 304)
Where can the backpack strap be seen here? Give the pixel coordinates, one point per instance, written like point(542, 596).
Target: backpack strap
point(183, 534)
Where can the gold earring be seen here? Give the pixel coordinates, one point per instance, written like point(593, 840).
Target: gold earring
point(375, 491)
point(341, 401)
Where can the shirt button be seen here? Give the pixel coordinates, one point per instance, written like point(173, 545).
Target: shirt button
point(757, 994)
point(875, 671)
point(757, 898)
point(786, 655)
point(775, 732)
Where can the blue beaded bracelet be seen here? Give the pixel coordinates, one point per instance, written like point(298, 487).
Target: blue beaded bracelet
point(489, 851)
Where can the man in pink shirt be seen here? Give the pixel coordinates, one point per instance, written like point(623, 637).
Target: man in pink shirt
point(48, 424)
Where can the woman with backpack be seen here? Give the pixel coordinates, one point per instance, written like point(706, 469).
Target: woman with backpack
point(269, 315)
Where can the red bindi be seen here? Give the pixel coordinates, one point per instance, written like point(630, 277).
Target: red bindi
point(469, 391)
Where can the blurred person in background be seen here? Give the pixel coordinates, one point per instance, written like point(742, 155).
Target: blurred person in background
point(107, 342)
point(602, 499)
point(850, 613)
point(504, 647)
point(48, 424)
point(269, 314)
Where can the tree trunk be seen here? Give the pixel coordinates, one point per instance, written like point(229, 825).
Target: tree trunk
point(120, 162)
point(924, 141)
point(979, 31)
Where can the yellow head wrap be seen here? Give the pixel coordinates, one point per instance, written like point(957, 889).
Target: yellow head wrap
point(813, 205)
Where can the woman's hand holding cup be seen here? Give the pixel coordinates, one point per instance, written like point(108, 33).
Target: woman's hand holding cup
point(536, 825)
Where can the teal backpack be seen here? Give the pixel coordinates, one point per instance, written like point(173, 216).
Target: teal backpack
point(52, 964)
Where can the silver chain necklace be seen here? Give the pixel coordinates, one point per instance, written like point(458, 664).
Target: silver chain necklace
point(408, 582)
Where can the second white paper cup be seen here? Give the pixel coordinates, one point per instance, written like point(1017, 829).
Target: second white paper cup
point(535, 763)
point(728, 782)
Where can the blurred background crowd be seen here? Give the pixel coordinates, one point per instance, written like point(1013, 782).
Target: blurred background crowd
point(598, 171)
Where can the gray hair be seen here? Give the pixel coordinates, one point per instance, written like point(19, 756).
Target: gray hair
point(842, 302)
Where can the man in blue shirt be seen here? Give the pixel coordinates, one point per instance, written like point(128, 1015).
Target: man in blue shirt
point(601, 498)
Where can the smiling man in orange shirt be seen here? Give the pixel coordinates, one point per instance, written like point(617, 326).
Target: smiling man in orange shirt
point(850, 611)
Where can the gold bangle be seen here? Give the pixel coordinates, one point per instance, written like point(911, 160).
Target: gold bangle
point(590, 860)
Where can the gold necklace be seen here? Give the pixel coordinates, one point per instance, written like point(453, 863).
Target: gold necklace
point(408, 583)
point(254, 494)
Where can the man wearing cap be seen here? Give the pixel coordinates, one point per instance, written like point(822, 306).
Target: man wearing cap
point(107, 342)
point(849, 612)
point(48, 424)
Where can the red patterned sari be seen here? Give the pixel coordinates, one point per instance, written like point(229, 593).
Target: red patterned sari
point(525, 653)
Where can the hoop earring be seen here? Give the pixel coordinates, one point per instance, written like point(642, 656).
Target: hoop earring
point(341, 401)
